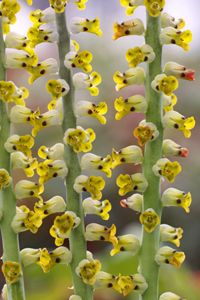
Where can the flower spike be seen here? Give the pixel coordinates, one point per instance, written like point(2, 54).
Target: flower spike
point(180, 72)
point(168, 255)
point(93, 185)
point(131, 27)
point(86, 108)
point(164, 167)
point(91, 161)
point(134, 104)
point(78, 24)
point(135, 182)
point(170, 35)
point(129, 77)
point(174, 197)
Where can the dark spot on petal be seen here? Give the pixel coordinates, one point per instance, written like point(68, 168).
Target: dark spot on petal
point(145, 58)
point(55, 174)
point(63, 89)
point(45, 212)
point(136, 287)
point(89, 111)
point(127, 32)
point(160, 172)
point(85, 29)
point(166, 261)
point(84, 189)
point(73, 65)
point(23, 65)
point(31, 193)
point(102, 238)
point(50, 165)
point(58, 259)
point(44, 123)
point(110, 285)
point(122, 159)
point(28, 118)
point(132, 108)
point(122, 249)
point(157, 87)
point(100, 167)
point(178, 201)
point(179, 152)
point(14, 147)
point(42, 72)
point(173, 41)
point(176, 126)
point(125, 81)
point(24, 45)
point(126, 100)
point(46, 37)
point(135, 187)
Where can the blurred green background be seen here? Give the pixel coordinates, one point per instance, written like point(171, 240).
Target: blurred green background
point(108, 57)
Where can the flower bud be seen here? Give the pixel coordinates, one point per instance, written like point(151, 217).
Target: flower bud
point(171, 148)
point(170, 234)
point(75, 297)
point(100, 208)
point(86, 108)
point(174, 197)
point(179, 71)
point(136, 182)
point(149, 219)
point(131, 27)
point(78, 24)
point(97, 232)
point(130, 154)
point(134, 104)
point(4, 292)
point(168, 255)
point(91, 161)
point(164, 167)
point(128, 243)
point(133, 202)
point(93, 185)
point(129, 77)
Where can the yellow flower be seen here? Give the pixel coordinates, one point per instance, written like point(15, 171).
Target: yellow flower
point(168, 255)
point(130, 154)
point(93, 185)
point(170, 35)
point(20, 143)
point(50, 169)
point(128, 243)
point(106, 280)
point(57, 88)
point(164, 167)
point(7, 89)
point(38, 36)
point(169, 21)
point(131, 27)
point(54, 205)
point(97, 232)
point(170, 296)
point(145, 131)
point(137, 55)
point(134, 104)
point(54, 152)
point(58, 5)
point(91, 161)
point(133, 202)
point(100, 208)
point(133, 282)
point(135, 182)
point(80, 3)
point(20, 161)
point(78, 24)
point(5, 179)
point(86, 108)
point(129, 77)
point(40, 17)
point(89, 82)
point(169, 102)
point(88, 269)
point(48, 66)
point(174, 197)
point(170, 234)
point(78, 60)
point(154, 7)
point(12, 271)
point(131, 5)
point(25, 188)
point(19, 42)
point(165, 84)
point(149, 219)
point(171, 148)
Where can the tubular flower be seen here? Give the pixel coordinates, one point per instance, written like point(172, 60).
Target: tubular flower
point(149, 219)
point(8, 9)
point(78, 60)
point(137, 55)
point(168, 255)
point(129, 77)
point(52, 206)
point(79, 3)
point(131, 5)
point(174, 197)
point(171, 148)
point(91, 161)
point(26, 220)
point(40, 17)
point(7, 89)
point(89, 82)
point(45, 259)
point(25, 188)
point(164, 167)
point(170, 35)
point(97, 232)
point(106, 280)
point(38, 36)
point(131, 27)
point(78, 24)
point(135, 182)
point(134, 104)
point(134, 282)
point(57, 88)
point(100, 208)
point(93, 185)
point(19, 42)
point(5, 179)
point(169, 102)
point(179, 71)
point(145, 131)
point(88, 269)
point(79, 139)
point(48, 66)
point(20, 161)
point(17, 60)
point(170, 234)
point(12, 271)
point(130, 154)
point(170, 296)
point(169, 21)
point(63, 225)
point(51, 168)
point(134, 202)
point(172, 119)
point(86, 108)
point(58, 5)
point(22, 114)
point(162, 83)
point(54, 152)
point(128, 243)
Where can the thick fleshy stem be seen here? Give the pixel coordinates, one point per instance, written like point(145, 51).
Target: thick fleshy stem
point(7, 198)
point(153, 151)
point(74, 202)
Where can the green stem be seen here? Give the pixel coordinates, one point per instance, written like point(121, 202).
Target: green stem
point(7, 198)
point(153, 152)
point(74, 202)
